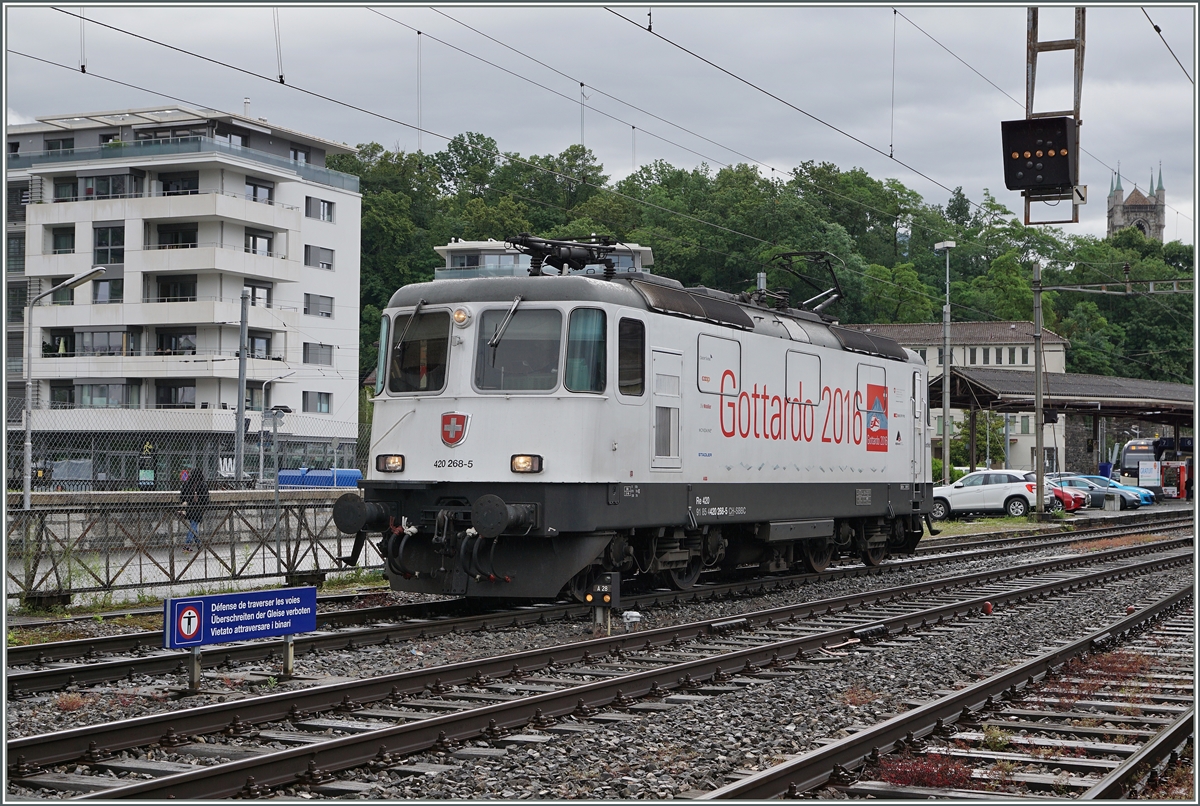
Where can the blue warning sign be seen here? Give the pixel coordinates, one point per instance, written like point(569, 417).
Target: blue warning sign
point(227, 617)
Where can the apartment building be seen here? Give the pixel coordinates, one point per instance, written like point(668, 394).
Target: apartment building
point(492, 258)
point(184, 208)
point(998, 345)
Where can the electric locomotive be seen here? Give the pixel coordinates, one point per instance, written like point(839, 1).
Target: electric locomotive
point(531, 432)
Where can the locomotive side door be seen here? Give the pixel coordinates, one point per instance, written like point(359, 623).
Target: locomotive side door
point(665, 449)
point(919, 447)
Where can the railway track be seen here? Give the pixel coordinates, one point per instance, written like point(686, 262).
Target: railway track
point(1096, 719)
point(54, 669)
point(392, 716)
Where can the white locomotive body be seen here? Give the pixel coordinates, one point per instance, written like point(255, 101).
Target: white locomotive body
point(530, 432)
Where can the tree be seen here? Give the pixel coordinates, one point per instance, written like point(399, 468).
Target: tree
point(467, 163)
point(1092, 339)
point(897, 295)
point(989, 436)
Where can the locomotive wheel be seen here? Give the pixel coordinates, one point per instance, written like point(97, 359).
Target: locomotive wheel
point(874, 555)
point(817, 554)
point(683, 578)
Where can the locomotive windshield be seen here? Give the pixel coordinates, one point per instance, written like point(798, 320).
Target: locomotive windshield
point(419, 362)
point(526, 359)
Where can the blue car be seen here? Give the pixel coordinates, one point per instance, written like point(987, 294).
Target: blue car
point(1146, 496)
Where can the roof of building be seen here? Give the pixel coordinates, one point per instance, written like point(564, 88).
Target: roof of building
point(169, 116)
point(1106, 395)
point(1135, 197)
point(929, 334)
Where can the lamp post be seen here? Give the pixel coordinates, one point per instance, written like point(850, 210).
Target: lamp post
point(260, 425)
point(946, 246)
point(74, 282)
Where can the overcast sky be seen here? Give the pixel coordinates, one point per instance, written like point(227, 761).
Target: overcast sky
point(933, 111)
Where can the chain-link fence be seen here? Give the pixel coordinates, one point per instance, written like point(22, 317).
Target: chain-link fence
point(106, 512)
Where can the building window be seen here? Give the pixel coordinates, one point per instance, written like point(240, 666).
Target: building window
point(316, 402)
point(1024, 355)
point(922, 354)
point(115, 342)
point(63, 240)
point(18, 200)
point(105, 292)
point(318, 257)
point(63, 296)
point(111, 187)
point(65, 190)
point(235, 139)
point(177, 288)
point(110, 245)
point(105, 139)
point(259, 345)
point(318, 354)
point(999, 355)
point(259, 242)
point(972, 355)
point(176, 342)
point(108, 395)
point(178, 236)
point(15, 262)
point(1024, 423)
point(260, 295)
point(987, 354)
point(66, 144)
point(317, 305)
point(14, 147)
point(180, 395)
point(259, 190)
point(180, 184)
point(301, 154)
point(1012, 355)
point(62, 397)
point(318, 208)
point(940, 422)
point(17, 293)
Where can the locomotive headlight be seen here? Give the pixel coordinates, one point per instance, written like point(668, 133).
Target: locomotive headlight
point(526, 463)
point(461, 317)
point(389, 463)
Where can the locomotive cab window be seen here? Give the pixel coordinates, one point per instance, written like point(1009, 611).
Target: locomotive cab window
point(419, 353)
point(521, 356)
point(381, 362)
point(587, 350)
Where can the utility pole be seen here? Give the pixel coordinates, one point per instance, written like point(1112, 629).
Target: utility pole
point(1038, 418)
point(946, 246)
point(239, 431)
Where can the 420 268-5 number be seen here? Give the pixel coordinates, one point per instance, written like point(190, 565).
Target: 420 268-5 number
point(453, 463)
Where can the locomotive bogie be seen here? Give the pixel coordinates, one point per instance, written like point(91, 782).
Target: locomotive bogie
point(548, 428)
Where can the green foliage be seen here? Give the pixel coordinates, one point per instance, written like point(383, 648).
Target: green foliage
point(985, 437)
point(719, 228)
point(955, 473)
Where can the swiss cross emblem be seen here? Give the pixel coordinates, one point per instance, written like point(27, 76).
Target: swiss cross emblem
point(454, 427)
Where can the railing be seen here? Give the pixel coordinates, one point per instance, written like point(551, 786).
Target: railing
point(213, 245)
point(185, 145)
point(159, 194)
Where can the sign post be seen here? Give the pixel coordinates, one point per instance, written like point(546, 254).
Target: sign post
point(196, 621)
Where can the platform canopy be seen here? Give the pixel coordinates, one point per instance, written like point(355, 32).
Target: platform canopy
point(1005, 390)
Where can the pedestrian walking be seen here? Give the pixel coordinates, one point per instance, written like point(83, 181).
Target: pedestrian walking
point(194, 495)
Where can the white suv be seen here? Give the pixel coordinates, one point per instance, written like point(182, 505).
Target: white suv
point(1006, 491)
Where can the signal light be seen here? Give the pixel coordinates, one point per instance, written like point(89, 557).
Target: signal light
point(1050, 140)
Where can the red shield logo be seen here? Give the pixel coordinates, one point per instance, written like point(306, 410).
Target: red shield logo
point(454, 427)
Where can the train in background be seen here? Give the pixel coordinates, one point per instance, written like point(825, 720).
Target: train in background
point(532, 432)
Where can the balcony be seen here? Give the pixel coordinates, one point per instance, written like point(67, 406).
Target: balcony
point(200, 364)
point(231, 259)
point(183, 145)
point(202, 205)
point(150, 311)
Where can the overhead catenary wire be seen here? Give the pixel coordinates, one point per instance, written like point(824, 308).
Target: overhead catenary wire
point(1169, 50)
point(402, 123)
point(790, 105)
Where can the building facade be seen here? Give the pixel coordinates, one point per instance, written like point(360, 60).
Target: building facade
point(185, 209)
point(1004, 345)
point(491, 258)
point(1147, 213)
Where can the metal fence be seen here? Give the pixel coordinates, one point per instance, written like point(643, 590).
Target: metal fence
point(105, 502)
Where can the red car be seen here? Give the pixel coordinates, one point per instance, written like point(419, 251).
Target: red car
point(1067, 499)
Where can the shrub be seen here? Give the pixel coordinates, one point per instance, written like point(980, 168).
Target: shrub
point(934, 770)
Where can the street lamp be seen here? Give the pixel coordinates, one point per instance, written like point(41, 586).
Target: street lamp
point(263, 417)
point(946, 246)
point(74, 282)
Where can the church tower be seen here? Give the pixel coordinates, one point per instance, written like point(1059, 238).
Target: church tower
point(1146, 212)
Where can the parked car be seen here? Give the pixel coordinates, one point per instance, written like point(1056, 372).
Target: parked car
point(1010, 492)
point(1147, 496)
point(1067, 499)
point(1097, 493)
